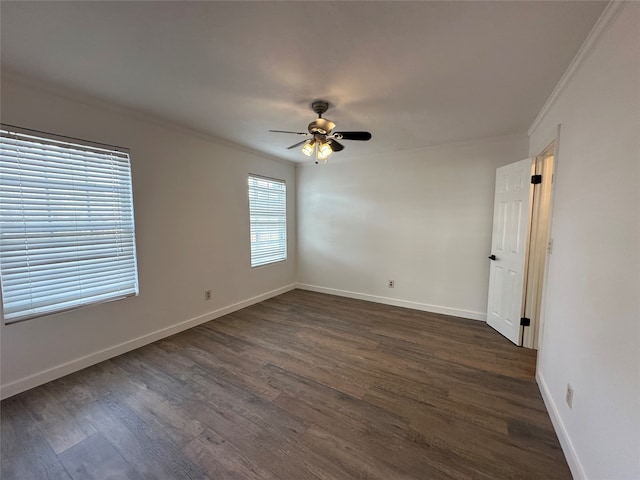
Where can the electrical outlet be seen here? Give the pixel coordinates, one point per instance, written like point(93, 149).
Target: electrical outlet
point(207, 294)
point(569, 396)
point(392, 283)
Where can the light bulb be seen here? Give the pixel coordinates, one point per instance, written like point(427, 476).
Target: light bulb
point(308, 148)
point(324, 150)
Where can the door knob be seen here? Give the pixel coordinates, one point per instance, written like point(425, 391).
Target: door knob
point(492, 257)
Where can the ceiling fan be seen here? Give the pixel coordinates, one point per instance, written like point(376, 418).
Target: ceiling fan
point(321, 138)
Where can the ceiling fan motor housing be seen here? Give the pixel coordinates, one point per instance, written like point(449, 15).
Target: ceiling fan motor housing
point(321, 126)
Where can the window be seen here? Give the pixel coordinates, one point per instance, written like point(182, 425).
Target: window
point(268, 219)
point(66, 224)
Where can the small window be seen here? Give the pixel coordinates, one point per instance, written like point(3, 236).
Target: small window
point(66, 224)
point(268, 220)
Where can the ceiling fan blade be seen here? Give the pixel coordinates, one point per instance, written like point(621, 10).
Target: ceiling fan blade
point(285, 131)
point(297, 144)
point(352, 135)
point(335, 145)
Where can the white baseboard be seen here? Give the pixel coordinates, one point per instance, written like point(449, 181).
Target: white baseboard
point(456, 312)
point(63, 369)
point(563, 436)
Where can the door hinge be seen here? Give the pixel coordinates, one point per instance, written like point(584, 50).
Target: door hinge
point(536, 179)
point(525, 322)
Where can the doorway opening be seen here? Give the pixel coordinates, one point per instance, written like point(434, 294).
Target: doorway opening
point(539, 246)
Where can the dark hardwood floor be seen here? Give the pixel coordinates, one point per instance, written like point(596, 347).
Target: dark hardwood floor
point(302, 386)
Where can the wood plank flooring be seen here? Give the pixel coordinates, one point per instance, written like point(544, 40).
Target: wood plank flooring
point(301, 386)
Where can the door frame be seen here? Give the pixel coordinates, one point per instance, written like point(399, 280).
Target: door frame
point(539, 245)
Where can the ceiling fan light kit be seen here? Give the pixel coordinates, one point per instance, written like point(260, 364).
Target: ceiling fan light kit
point(323, 140)
point(309, 147)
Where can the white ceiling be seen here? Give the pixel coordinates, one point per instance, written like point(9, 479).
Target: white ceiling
point(415, 74)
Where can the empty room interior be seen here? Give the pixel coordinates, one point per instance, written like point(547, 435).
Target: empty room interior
point(320, 240)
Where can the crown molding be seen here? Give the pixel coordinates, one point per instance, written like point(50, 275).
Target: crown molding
point(69, 94)
point(426, 148)
point(608, 15)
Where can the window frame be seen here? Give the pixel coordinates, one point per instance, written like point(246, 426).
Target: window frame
point(114, 275)
point(281, 229)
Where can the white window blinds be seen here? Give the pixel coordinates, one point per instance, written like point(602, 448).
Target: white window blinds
point(66, 224)
point(268, 219)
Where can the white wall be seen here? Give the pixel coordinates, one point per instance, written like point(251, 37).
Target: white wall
point(192, 231)
point(591, 335)
point(422, 218)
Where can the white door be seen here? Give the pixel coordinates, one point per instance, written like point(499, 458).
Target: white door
point(508, 248)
